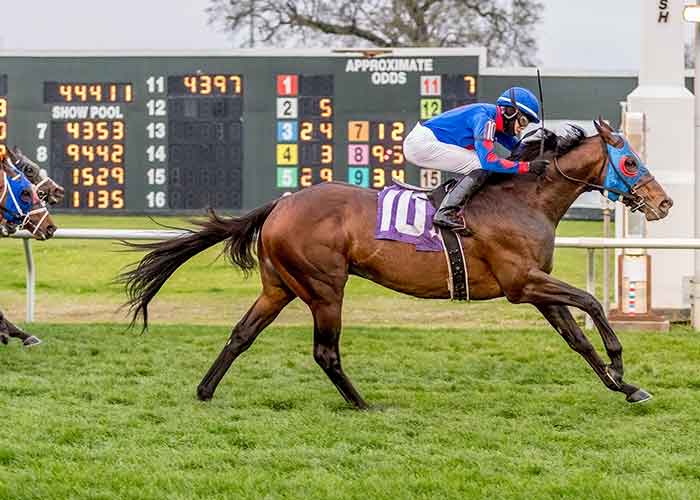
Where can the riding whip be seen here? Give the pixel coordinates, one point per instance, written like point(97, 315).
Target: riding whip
point(539, 84)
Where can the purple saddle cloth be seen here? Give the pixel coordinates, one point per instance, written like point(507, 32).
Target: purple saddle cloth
point(407, 216)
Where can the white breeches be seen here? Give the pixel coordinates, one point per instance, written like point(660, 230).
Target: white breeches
point(422, 148)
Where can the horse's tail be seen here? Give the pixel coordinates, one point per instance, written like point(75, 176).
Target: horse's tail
point(145, 278)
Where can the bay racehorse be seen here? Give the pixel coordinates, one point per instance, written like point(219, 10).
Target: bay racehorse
point(22, 207)
point(309, 242)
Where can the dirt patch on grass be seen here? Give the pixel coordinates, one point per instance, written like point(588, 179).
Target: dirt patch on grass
point(207, 310)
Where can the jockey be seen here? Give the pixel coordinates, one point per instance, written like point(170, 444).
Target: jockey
point(461, 140)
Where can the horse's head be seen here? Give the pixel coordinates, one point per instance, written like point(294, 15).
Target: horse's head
point(47, 188)
point(625, 176)
point(20, 205)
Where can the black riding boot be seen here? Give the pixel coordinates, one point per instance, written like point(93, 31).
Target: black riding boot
point(447, 215)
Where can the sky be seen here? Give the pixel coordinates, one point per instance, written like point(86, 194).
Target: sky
point(574, 34)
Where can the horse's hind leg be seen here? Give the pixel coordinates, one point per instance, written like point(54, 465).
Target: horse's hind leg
point(262, 313)
point(327, 324)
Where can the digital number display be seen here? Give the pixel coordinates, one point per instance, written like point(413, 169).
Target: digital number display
point(305, 151)
point(375, 152)
point(88, 143)
point(205, 143)
point(80, 153)
point(205, 85)
point(89, 130)
point(97, 93)
point(3, 113)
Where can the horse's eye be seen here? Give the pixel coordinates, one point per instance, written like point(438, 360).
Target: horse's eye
point(630, 165)
point(26, 195)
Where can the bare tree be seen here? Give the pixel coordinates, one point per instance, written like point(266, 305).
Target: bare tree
point(505, 27)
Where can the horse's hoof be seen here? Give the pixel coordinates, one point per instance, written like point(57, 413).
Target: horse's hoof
point(204, 394)
point(31, 341)
point(639, 396)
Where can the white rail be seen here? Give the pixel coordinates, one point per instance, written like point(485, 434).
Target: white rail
point(590, 244)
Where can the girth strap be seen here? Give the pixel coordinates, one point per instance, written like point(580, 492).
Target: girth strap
point(458, 280)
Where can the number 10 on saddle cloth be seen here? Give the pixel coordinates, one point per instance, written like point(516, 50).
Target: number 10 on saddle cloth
point(407, 216)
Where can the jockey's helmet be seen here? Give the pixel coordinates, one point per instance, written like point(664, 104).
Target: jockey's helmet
point(525, 101)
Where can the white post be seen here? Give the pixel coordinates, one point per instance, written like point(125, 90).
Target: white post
point(590, 283)
point(31, 279)
point(606, 256)
point(696, 279)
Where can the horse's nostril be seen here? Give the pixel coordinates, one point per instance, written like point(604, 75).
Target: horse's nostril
point(50, 229)
point(666, 204)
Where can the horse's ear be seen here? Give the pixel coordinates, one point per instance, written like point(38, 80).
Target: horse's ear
point(607, 132)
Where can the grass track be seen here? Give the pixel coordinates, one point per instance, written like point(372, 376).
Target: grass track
point(98, 414)
point(485, 401)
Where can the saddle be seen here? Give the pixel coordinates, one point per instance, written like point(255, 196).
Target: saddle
point(458, 281)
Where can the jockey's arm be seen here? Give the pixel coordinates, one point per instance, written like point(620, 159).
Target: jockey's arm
point(484, 137)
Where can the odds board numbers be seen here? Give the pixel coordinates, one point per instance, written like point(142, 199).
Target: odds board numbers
point(305, 134)
point(3, 113)
point(375, 152)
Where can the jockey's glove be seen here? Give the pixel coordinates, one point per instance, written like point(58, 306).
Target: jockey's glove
point(538, 167)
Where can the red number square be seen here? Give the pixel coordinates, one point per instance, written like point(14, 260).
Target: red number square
point(287, 84)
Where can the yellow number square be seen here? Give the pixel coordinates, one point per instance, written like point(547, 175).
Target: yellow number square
point(358, 131)
point(287, 154)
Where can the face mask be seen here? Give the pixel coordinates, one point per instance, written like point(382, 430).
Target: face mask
point(624, 169)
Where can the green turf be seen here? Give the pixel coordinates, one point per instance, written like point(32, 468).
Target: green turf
point(74, 283)
point(95, 413)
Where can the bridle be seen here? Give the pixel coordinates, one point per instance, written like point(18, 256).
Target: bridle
point(19, 166)
point(630, 198)
point(6, 191)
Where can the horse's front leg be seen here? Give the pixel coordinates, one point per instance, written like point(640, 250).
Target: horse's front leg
point(564, 323)
point(546, 293)
point(8, 329)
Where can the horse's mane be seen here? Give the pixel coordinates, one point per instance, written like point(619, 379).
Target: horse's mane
point(553, 143)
